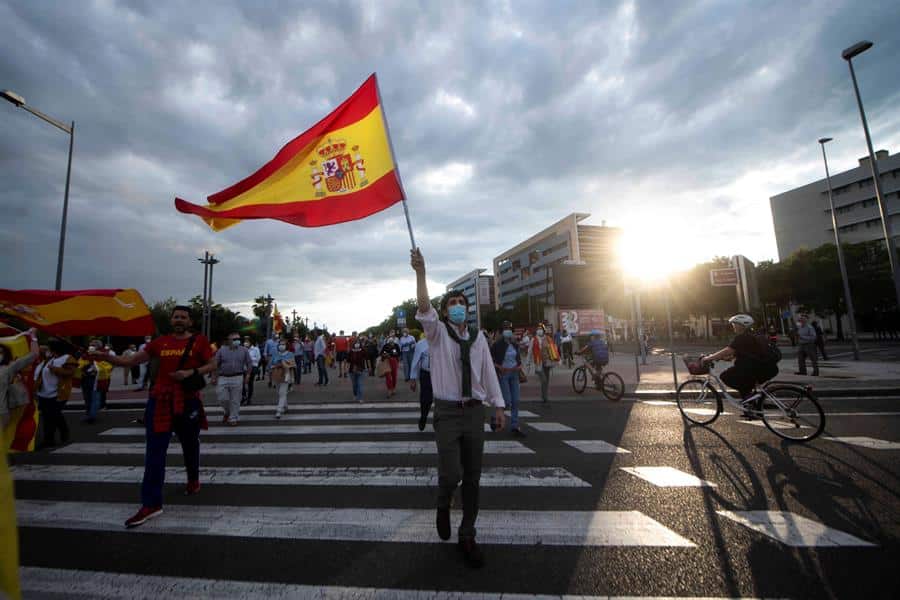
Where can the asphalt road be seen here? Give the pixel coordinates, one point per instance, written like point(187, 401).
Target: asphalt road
point(554, 521)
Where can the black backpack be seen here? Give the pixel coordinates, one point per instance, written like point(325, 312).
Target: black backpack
point(771, 354)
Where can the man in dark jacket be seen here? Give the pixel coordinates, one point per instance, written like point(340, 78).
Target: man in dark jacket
point(508, 362)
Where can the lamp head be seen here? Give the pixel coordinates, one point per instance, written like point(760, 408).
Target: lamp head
point(857, 48)
point(13, 97)
point(824, 140)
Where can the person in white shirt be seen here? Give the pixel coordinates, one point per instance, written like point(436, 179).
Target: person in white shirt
point(464, 382)
point(255, 357)
point(525, 348)
point(319, 350)
point(407, 349)
point(143, 366)
point(420, 376)
point(53, 384)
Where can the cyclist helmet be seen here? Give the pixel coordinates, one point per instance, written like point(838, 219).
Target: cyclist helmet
point(744, 320)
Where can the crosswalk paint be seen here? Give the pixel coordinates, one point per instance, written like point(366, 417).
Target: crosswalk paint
point(774, 424)
point(549, 528)
point(667, 477)
point(791, 529)
point(46, 582)
point(595, 447)
point(530, 477)
point(866, 442)
point(335, 416)
point(703, 412)
point(242, 430)
point(549, 427)
point(330, 406)
point(282, 448)
point(658, 402)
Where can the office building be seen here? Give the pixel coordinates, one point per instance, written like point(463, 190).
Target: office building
point(476, 286)
point(802, 217)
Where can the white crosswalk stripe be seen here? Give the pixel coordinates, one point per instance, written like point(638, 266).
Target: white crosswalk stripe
point(596, 447)
point(791, 529)
point(273, 430)
point(289, 448)
point(347, 416)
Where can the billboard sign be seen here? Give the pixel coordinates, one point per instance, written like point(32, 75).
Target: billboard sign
point(581, 321)
point(723, 277)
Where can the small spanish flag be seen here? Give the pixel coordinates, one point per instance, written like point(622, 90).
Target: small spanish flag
point(80, 312)
point(278, 325)
point(342, 169)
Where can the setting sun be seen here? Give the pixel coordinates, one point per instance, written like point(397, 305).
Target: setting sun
point(650, 252)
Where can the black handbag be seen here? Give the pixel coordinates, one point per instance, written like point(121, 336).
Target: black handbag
point(194, 382)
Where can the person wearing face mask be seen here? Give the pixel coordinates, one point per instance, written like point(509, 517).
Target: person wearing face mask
point(282, 373)
point(53, 385)
point(357, 368)
point(390, 352)
point(407, 349)
point(464, 383)
point(255, 357)
point(505, 353)
point(233, 369)
point(545, 355)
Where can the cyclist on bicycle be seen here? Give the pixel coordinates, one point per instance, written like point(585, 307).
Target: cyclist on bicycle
point(597, 351)
point(750, 359)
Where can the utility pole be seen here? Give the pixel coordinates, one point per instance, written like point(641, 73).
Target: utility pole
point(294, 320)
point(212, 263)
point(208, 261)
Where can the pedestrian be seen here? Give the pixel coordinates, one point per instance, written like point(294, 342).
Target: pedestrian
point(233, 370)
point(308, 355)
point(371, 347)
point(806, 338)
point(94, 374)
point(390, 353)
point(820, 339)
point(283, 368)
point(508, 362)
point(464, 383)
point(174, 406)
point(297, 348)
point(144, 366)
point(134, 371)
point(407, 349)
point(12, 390)
point(53, 385)
point(421, 377)
point(545, 355)
point(566, 347)
point(255, 359)
point(357, 368)
point(525, 350)
point(341, 352)
point(319, 350)
point(270, 349)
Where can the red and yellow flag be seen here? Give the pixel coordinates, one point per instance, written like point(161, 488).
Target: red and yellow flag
point(278, 322)
point(342, 169)
point(80, 312)
point(21, 430)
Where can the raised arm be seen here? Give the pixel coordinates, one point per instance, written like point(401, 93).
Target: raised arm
point(418, 264)
point(137, 358)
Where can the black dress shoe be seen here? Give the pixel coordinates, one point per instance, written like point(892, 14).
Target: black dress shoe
point(443, 523)
point(471, 553)
point(422, 420)
point(518, 432)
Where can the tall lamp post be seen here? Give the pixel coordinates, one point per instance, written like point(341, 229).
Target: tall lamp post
point(19, 101)
point(848, 299)
point(848, 54)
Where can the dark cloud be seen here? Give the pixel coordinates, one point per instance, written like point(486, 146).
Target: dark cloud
point(683, 117)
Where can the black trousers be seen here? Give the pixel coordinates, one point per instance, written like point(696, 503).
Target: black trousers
point(426, 394)
point(323, 372)
point(253, 375)
point(740, 378)
point(52, 416)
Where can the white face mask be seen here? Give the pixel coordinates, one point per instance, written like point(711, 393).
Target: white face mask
point(540, 333)
point(282, 347)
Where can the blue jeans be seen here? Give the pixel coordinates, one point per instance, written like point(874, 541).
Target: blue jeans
point(509, 387)
point(356, 380)
point(407, 356)
point(188, 430)
point(323, 372)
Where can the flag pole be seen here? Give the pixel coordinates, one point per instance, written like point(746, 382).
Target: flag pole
point(412, 239)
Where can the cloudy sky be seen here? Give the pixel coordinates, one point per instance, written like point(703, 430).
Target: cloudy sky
point(675, 120)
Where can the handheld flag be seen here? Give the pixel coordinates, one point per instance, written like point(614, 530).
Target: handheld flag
point(21, 430)
point(80, 312)
point(342, 169)
point(278, 322)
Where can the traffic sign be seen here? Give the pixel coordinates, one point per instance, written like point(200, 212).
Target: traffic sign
point(723, 277)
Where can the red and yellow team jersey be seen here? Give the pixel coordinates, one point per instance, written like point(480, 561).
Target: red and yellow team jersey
point(341, 343)
point(168, 349)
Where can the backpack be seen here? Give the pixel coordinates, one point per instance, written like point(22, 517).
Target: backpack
point(771, 354)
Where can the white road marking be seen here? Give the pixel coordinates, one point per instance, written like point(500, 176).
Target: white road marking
point(550, 426)
point(703, 412)
point(866, 442)
point(241, 430)
point(324, 476)
point(659, 402)
point(333, 406)
point(774, 424)
point(40, 581)
point(791, 529)
point(549, 528)
point(282, 448)
point(595, 447)
point(667, 477)
point(332, 416)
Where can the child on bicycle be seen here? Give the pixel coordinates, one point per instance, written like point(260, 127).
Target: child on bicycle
point(597, 351)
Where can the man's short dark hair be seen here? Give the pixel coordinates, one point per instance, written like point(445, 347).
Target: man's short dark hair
point(181, 307)
point(453, 294)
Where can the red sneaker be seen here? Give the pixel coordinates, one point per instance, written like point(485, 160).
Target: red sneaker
point(144, 514)
point(192, 487)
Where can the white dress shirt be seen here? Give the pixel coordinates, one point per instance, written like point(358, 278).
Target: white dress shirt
point(320, 347)
point(255, 355)
point(421, 360)
point(446, 366)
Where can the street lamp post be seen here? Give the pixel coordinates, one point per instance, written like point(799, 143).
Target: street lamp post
point(848, 54)
point(848, 299)
point(19, 101)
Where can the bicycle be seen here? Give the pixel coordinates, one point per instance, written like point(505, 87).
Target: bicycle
point(609, 383)
point(788, 410)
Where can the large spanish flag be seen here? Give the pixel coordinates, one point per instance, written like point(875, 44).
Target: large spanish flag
point(80, 312)
point(341, 169)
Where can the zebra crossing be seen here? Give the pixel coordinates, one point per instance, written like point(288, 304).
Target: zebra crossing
point(240, 499)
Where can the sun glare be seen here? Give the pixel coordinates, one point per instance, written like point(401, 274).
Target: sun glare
point(651, 253)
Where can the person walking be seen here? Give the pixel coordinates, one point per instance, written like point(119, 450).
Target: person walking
point(341, 352)
point(233, 370)
point(407, 349)
point(174, 406)
point(420, 377)
point(297, 347)
point(566, 347)
point(308, 355)
point(544, 354)
point(53, 379)
point(390, 353)
point(94, 375)
point(525, 350)
point(135, 371)
point(255, 359)
point(269, 350)
point(143, 367)
point(283, 368)
point(357, 368)
point(464, 383)
point(820, 339)
point(319, 350)
point(371, 347)
point(806, 338)
point(508, 362)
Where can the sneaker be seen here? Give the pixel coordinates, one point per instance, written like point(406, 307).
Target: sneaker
point(443, 523)
point(277, 415)
point(471, 553)
point(192, 488)
point(144, 514)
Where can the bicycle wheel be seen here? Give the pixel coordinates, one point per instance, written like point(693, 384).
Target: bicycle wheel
point(698, 401)
point(793, 413)
point(612, 386)
point(579, 380)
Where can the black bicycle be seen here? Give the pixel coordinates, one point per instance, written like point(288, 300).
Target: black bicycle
point(609, 383)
